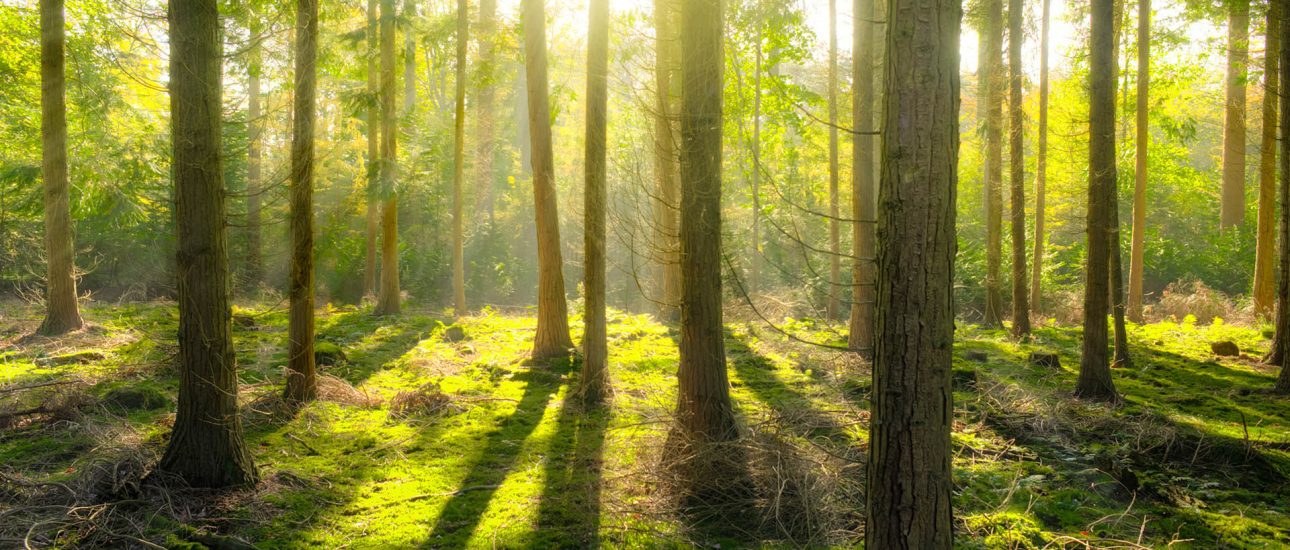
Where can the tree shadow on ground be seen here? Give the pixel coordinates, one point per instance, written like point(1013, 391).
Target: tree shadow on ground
point(569, 509)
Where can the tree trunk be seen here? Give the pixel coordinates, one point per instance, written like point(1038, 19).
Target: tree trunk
point(1095, 373)
point(1122, 359)
point(860, 336)
point(909, 476)
point(1233, 196)
point(1283, 283)
point(552, 338)
point(409, 63)
point(485, 101)
point(206, 448)
point(1137, 250)
point(1041, 169)
point(1266, 245)
point(1017, 167)
point(835, 227)
point(62, 313)
point(754, 277)
point(302, 381)
point(387, 302)
point(254, 158)
point(666, 168)
point(458, 165)
point(373, 150)
point(594, 384)
point(993, 73)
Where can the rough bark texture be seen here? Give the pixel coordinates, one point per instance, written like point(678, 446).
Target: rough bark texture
point(552, 338)
point(254, 158)
point(1137, 248)
point(704, 409)
point(485, 103)
point(909, 479)
point(1095, 373)
point(1232, 211)
point(1041, 168)
point(1266, 245)
point(206, 448)
point(835, 227)
point(373, 151)
point(302, 378)
point(1017, 169)
point(594, 383)
point(62, 314)
point(994, 77)
point(1283, 283)
point(666, 166)
point(458, 165)
point(387, 302)
point(860, 335)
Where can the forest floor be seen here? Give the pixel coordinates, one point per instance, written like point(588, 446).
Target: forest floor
point(433, 433)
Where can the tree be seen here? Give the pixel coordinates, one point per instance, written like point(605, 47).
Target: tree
point(1265, 243)
point(206, 448)
point(594, 384)
point(1095, 373)
point(254, 155)
point(1232, 211)
point(993, 75)
point(667, 54)
point(835, 242)
point(387, 302)
point(1137, 247)
point(1041, 167)
point(754, 275)
point(1283, 283)
point(909, 489)
point(302, 381)
point(485, 101)
point(552, 338)
point(373, 152)
point(458, 165)
point(1017, 166)
point(62, 313)
point(860, 336)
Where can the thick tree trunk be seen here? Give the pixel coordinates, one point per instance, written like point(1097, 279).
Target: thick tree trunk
point(387, 302)
point(909, 476)
point(835, 227)
point(1232, 212)
point(1137, 248)
point(458, 165)
point(1266, 244)
point(552, 338)
point(206, 448)
point(994, 76)
point(1017, 167)
point(62, 314)
point(594, 384)
point(1095, 373)
point(373, 151)
point(860, 336)
point(1041, 169)
point(1283, 255)
point(254, 159)
point(485, 103)
point(666, 167)
point(302, 380)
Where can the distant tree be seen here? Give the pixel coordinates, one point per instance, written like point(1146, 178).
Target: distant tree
point(206, 448)
point(62, 313)
point(387, 302)
point(552, 338)
point(835, 227)
point(373, 153)
point(1233, 193)
point(1138, 246)
point(909, 477)
point(1095, 373)
point(409, 62)
point(993, 74)
point(860, 335)
point(254, 153)
point(302, 380)
point(458, 164)
point(594, 384)
point(485, 102)
point(1041, 167)
point(754, 275)
point(1017, 167)
point(1265, 243)
point(667, 58)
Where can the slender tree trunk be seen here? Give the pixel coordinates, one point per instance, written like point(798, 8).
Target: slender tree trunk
point(1041, 169)
point(594, 384)
point(754, 278)
point(409, 64)
point(1283, 254)
point(1017, 166)
point(387, 302)
point(373, 151)
point(254, 158)
point(994, 162)
point(1115, 266)
point(1095, 373)
point(458, 166)
point(1266, 245)
point(860, 337)
point(62, 313)
point(666, 167)
point(910, 482)
point(485, 103)
point(302, 380)
point(206, 448)
point(835, 227)
point(1233, 196)
point(552, 338)
point(1137, 248)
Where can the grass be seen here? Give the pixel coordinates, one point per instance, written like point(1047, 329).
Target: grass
point(1196, 456)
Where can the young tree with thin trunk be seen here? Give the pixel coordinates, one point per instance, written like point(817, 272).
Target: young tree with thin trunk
point(387, 302)
point(1094, 380)
point(458, 165)
point(910, 482)
point(302, 379)
point(1017, 168)
point(206, 447)
point(1232, 211)
point(667, 173)
point(485, 103)
point(373, 151)
point(1041, 167)
point(1265, 243)
point(860, 336)
point(62, 313)
point(254, 156)
point(552, 338)
point(1138, 246)
point(754, 275)
point(594, 384)
point(835, 227)
point(994, 77)
point(409, 62)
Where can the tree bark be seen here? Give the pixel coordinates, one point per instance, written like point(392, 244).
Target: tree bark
point(993, 74)
point(302, 379)
point(62, 313)
point(552, 338)
point(458, 165)
point(835, 227)
point(666, 165)
point(860, 334)
point(594, 384)
point(373, 151)
point(387, 302)
point(1137, 247)
point(1233, 194)
point(1283, 255)
point(909, 475)
point(206, 448)
point(1095, 373)
point(486, 102)
point(754, 277)
point(1017, 167)
point(254, 158)
point(1265, 244)
point(1041, 169)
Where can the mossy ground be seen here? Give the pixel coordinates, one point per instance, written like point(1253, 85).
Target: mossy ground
point(1196, 455)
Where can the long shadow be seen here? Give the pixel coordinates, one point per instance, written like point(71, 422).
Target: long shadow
point(350, 329)
point(569, 510)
